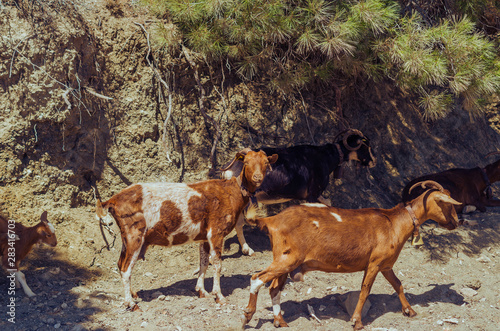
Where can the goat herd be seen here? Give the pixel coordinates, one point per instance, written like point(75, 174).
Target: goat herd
point(306, 237)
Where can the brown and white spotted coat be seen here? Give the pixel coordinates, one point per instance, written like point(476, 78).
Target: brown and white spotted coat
point(170, 214)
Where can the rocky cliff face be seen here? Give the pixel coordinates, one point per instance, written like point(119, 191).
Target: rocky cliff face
point(82, 108)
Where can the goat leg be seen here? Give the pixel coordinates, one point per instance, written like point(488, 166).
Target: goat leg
point(128, 257)
point(216, 242)
point(200, 283)
point(275, 292)
point(245, 249)
point(368, 279)
point(20, 277)
point(249, 311)
point(398, 287)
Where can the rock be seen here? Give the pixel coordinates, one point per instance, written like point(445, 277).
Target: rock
point(57, 326)
point(468, 292)
point(161, 297)
point(474, 284)
point(144, 324)
point(322, 308)
point(351, 302)
point(78, 327)
point(439, 322)
point(148, 274)
point(451, 320)
point(483, 259)
point(64, 305)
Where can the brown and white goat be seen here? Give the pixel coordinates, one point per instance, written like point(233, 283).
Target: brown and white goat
point(16, 241)
point(169, 214)
point(472, 187)
point(311, 237)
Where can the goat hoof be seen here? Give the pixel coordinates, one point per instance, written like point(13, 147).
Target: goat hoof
point(221, 300)
point(409, 312)
point(248, 252)
point(203, 293)
point(279, 322)
point(358, 325)
point(245, 319)
point(134, 307)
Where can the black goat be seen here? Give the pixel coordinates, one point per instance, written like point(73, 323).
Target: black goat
point(471, 187)
point(303, 172)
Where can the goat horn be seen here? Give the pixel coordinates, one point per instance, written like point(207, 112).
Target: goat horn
point(424, 184)
point(349, 133)
point(492, 153)
point(240, 154)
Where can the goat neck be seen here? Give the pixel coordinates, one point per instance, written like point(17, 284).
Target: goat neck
point(336, 154)
point(414, 220)
point(247, 189)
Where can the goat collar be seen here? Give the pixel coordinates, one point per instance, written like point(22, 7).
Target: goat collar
point(487, 191)
point(416, 240)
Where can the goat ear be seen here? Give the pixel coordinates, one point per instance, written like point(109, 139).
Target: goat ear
point(445, 198)
point(273, 158)
point(43, 218)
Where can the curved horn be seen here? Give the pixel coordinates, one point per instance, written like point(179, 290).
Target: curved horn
point(424, 184)
point(349, 133)
point(239, 157)
point(492, 153)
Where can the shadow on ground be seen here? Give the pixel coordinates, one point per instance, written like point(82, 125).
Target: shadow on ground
point(52, 278)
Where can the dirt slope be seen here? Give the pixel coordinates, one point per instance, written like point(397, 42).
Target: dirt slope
point(61, 135)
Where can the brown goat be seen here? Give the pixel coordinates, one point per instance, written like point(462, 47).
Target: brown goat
point(317, 237)
point(169, 214)
point(16, 241)
point(472, 187)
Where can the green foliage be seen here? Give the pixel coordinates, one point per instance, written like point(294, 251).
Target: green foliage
point(293, 43)
point(450, 60)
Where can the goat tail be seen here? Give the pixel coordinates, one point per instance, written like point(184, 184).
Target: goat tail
point(253, 218)
point(102, 213)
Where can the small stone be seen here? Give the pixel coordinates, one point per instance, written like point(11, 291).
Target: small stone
point(451, 320)
point(161, 297)
point(474, 284)
point(322, 308)
point(148, 274)
point(144, 324)
point(483, 259)
point(309, 290)
point(64, 305)
point(57, 326)
point(50, 320)
point(468, 292)
point(439, 322)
